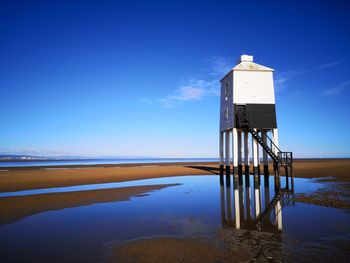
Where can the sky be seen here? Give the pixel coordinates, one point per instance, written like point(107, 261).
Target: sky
point(141, 78)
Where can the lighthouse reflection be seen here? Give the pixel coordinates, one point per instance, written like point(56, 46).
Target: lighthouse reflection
point(258, 207)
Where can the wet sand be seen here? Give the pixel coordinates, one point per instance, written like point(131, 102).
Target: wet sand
point(229, 245)
point(15, 179)
point(233, 245)
point(169, 249)
point(18, 207)
point(337, 168)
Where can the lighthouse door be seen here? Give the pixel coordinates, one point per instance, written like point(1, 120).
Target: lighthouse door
point(241, 118)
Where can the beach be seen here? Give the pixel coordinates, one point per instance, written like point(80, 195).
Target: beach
point(186, 245)
point(335, 171)
point(24, 178)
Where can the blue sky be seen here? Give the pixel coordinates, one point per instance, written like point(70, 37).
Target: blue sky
point(106, 78)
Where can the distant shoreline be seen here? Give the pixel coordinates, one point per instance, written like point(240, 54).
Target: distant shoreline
point(97, 159)
point(77, 166)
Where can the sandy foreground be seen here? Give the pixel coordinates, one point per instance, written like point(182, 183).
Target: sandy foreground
point(16, 179)
point(170, 249)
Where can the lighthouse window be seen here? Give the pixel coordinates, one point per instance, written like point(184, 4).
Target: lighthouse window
point(226, 91)
point(226, 114)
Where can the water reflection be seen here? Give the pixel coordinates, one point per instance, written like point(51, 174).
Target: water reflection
point(57, 231)
point(259, 208)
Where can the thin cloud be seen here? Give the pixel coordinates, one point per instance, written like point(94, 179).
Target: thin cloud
point(197, 89)
point(336, 90)
point(327, 65)
point(282, 78)
point(193, 90)
point(219, 66)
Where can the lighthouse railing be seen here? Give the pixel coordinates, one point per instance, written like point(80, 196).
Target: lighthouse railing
point(273, 144)
point(284, 158)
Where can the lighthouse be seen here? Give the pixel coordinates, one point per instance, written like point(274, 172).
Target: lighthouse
point(248, 114)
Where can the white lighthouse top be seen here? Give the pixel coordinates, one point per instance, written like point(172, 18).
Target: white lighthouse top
point(249, 82)
point(246, 63)
point(246, 58)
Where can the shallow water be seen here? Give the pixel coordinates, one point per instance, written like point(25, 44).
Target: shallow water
point(304, 185)
point(197, 207)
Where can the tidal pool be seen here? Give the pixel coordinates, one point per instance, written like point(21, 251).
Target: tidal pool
point(86, 223)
